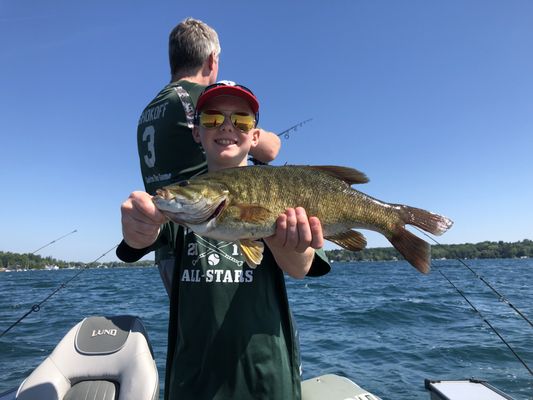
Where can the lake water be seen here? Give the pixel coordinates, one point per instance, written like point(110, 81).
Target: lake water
point(381, 324)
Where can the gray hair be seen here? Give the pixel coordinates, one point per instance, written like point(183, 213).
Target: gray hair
point(190, 44)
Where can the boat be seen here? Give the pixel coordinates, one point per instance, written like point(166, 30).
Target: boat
point(111, 358)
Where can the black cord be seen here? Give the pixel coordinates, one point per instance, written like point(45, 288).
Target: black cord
point(501, 297)
point(488, 323)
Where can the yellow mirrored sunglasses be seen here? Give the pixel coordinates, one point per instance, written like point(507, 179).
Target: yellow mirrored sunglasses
point(214, 118)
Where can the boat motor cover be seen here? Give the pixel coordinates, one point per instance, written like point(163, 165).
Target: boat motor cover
point(463, 389)
point(104, 358)
point(334, 387)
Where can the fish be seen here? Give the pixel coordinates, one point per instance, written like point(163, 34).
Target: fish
point(242, 205)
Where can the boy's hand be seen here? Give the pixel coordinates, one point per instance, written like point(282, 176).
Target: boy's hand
point(141, 220)
point(295, 231)
point(294, 241)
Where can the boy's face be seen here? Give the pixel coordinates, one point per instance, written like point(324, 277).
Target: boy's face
point(226, 146)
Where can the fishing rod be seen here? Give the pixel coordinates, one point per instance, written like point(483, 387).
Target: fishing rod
point(53, 241)
point(286, 134)
point(500, 296)
point(37, 307)
point(488, 323)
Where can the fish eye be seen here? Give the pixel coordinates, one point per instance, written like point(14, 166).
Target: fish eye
point(183, 183)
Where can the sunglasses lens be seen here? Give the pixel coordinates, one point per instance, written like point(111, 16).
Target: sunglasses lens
point(211, 119)
point(244, 122)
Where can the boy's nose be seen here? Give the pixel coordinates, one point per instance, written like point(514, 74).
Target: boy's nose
point(227, 124)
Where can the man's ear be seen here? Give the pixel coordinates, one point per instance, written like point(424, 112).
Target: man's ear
point(213, 61)
point(210, 68)
point(196, 134)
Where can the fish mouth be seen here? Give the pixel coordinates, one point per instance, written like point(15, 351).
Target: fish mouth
point(196, 213)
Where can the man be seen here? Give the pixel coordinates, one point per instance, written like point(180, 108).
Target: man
point(167, 151)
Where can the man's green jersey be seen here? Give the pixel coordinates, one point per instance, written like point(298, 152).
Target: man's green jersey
point(167, 151)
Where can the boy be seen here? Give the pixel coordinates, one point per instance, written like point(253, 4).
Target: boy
point(167, 152)
point(231, 335)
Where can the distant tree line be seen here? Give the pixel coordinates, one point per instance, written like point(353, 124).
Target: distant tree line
point(10, 260)
point(500, 249)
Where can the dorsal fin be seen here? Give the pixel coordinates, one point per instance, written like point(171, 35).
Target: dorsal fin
point(349, 175)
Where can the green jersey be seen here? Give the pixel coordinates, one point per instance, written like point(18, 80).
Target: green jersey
point(231, 333)
point(167, 151)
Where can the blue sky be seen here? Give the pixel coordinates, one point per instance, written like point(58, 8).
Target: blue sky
point(432, 100)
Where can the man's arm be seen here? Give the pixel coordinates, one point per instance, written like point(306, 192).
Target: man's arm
point(294, 243)
point(268, 147)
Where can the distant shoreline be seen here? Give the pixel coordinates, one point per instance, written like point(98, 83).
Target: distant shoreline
point(152, 264)
point(482, 250)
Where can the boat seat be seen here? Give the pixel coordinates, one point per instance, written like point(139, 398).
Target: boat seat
point(101, 358)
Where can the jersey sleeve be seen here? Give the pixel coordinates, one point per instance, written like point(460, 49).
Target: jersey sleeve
point(320, 265)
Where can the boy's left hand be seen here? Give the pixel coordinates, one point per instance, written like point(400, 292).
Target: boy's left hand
point(295, 231)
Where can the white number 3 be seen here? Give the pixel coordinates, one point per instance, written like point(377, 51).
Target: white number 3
point(149, 136)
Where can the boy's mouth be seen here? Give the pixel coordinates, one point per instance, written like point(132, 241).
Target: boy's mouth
point(225, 142)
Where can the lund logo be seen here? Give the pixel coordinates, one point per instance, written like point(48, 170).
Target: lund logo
point(101, 332)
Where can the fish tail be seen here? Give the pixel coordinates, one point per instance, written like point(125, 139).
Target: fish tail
point(433, 223)
point(415, 250)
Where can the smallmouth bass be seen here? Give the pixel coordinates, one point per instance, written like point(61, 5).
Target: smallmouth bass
point(242, 204)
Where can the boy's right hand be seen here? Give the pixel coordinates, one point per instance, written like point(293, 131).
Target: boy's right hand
point(141, 220)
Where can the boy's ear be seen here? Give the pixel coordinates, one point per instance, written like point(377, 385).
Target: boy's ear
point(196, 134)
point(255, 134)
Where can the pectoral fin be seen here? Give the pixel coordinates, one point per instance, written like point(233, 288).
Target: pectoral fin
point(253, 213)
point(252, 251)
point(349, 240)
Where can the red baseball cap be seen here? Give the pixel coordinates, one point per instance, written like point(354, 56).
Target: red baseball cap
point(228, 88)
